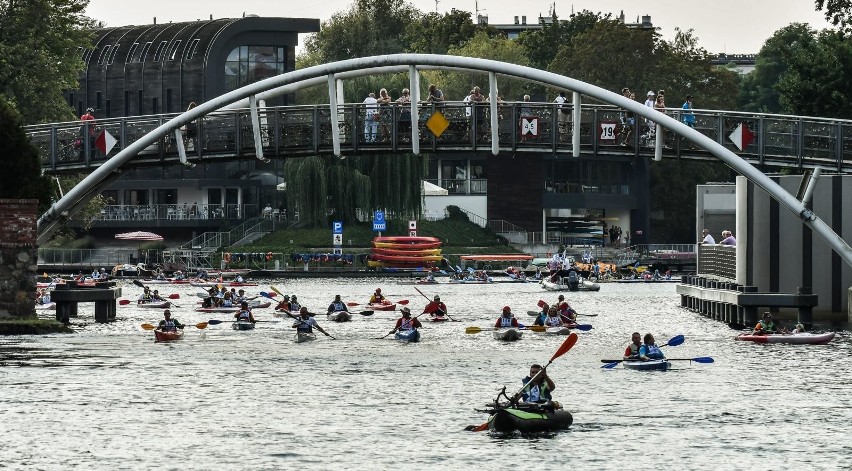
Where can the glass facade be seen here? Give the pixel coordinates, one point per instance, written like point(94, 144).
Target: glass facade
point(249, 64)
point(582, 176)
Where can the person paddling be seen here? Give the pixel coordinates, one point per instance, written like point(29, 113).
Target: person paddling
point(305, 324)
point(146, 296)
point(337, 305)
point(568, 314)
point(632, 350)
point(294, 304)
point(284, 305)
point(377, 297)
point(507, 319)
point(167, 324)
point(436, 308)
point(649, 350)
point(245, 314)
point(156, 296)
point(553, 318)
point(537, 386)
point(765, 326)
point(406, 322)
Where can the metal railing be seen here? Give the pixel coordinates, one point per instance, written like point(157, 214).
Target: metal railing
point(781, 140)
point(177, 212)
point(217, 240)
point(718, 260)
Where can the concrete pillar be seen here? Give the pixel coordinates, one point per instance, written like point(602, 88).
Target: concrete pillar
point(806, 313)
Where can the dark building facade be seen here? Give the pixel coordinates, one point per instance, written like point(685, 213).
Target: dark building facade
point(153, 69)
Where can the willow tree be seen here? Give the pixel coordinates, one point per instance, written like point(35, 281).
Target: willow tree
point(324, 188)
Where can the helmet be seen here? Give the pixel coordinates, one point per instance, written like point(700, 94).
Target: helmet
point(406, 310)
point(507, 309)
point(437, 298)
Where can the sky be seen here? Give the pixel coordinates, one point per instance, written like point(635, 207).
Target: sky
point(733, 27)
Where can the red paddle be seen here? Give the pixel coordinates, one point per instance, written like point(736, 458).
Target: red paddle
point(174, 296)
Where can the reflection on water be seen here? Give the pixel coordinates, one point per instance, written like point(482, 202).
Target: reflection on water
point(108, 397)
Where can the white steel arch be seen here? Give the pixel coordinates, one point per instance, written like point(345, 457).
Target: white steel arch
point(332, 73)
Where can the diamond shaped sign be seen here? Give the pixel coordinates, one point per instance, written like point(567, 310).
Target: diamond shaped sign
point(437, 123)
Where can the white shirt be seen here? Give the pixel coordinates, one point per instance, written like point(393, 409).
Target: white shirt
point(372, 103)
point(708, 240)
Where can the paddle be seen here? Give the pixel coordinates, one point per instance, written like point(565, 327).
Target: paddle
point(541, 302)
point(404, 302)
point(395, 328)
point(696, 360)
point(673, 342)
point(174, 296)
point(476, 330)
point(563, 349)
point(200, 325)
point(363, 313)
point(431, 302)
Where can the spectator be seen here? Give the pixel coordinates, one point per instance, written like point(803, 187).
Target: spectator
point(435, 94)
point(476, 99)
point(371, 117)
point(707, 239)
point(688, 116)
point(404, 102)
point(88, 130)
point(649, 102)
point(728, 238)
point(385, 113)
point(563, 113)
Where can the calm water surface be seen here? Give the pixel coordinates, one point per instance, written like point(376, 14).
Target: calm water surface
point(109, 397)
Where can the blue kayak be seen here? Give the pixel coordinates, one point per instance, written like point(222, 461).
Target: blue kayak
point(408, 335)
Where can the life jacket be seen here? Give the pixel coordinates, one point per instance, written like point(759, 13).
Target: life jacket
point(506, 321)
point(652, 351)
point(304, 325)
point(537, 393)
point(765, 326)
point(632, 351)
point(407, 324)
point(376, 298)
point(168, 325)
point(245, 315)
point(295, 307)
point(338, 306)
point(552, 321)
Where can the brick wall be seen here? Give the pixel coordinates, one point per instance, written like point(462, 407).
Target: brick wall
point(18, 257)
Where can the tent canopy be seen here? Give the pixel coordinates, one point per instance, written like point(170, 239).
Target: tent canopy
point(430, 189)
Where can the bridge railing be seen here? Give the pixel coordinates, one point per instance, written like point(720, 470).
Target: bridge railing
point(115, 212)
point(306, 130)
point(717, 260)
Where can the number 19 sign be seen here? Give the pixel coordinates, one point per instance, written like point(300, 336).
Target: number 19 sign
point(607, 132)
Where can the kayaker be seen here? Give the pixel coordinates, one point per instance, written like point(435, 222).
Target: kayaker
point(284, 305)
point(537, 386)
point(553, 318)
point(146, 296)
point(542, 315)
point(305, 323)
point(507, 319)
point(156, 296)
point(241, 296)
point(436, 308)
point(245, 313)
point(337, 305)
point(649, 350)
point(294, 304)
point(377, 297)
point(405, 322)
point(168, 324)
point(240, 279)
point(632, 350)
point(568, 314)
point(765, 326)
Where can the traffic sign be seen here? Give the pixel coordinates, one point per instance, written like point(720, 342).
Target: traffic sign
point(338, 239)
point(608, 131)
point(379, 226)
point(337, 227)
point(529, 126)
point(742, 136)
point(412, 233)
point(412, 225)
point(379, 216)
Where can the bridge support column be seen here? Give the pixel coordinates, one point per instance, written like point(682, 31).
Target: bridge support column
point(414, 92)
point(495, 129)
point(332, 108)
point(105, 311)
point(806, 313)
point(749, 312)
point(256, 131)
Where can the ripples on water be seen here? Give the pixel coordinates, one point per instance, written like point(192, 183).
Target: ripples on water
point(108, 397)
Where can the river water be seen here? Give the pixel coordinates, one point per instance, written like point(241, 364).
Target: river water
point(109, 397)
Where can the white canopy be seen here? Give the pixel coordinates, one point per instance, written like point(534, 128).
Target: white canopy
point(430, 189)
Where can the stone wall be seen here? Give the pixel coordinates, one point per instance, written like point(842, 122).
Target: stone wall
point(18, 257)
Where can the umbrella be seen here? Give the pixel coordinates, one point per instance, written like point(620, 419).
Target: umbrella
point(140, 236)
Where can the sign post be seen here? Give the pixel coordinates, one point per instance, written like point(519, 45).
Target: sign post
point(337, 237)
point(379, 223)
point(412, 228)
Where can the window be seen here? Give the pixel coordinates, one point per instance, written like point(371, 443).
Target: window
point(104, 54)
point(173, 50)
point(159, 54)
point(168, 100)
point(155, 108)
point(249, 64)
point(141, 102)
point(114, 52)
point(193, 47)
point(144, 51)
point(97, 100)
point(131, 52)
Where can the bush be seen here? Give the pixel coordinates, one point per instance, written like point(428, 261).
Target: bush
point(455, 213)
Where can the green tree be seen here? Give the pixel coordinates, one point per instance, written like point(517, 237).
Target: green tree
point(436, 34)
point(837, 12)
point(542, 45)
point(21, 176)
point(40, 44)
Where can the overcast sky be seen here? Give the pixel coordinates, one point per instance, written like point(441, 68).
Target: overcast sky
point(721, 25)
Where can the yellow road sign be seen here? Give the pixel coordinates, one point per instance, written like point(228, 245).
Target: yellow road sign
point(437, 123)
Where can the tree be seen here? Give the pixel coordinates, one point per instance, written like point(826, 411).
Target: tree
point(837, 12)
point(21, 176)
point(40, 44)
point(541, 45)
point(436, 34)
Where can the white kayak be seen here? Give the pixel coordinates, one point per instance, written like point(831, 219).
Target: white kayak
point(804, 338)
point(558, 330)
point(305, 337)
point(154, 305)
point(509, 334)
point(339, 316)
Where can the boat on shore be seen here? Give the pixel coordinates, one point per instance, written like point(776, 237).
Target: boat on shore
point(803, 338)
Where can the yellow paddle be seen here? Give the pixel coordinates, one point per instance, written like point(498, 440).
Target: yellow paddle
point(476, 330)
point(200, 325)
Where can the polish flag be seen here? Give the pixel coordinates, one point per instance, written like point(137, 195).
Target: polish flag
point(105, 142)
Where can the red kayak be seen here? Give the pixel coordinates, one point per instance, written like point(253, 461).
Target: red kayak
point(804, 338)
point(383, 306)
point(406, 239)
point(167, 335)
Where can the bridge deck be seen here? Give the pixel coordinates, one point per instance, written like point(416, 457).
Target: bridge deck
point(781, 141)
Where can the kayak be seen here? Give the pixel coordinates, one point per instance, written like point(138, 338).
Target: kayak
point(472, 282)
point(412, 335)
point(167, 335)
point(226, 284)
point(650, 365)
point(804, 338)
point(305, 337)
point(155, 305)
point(381, 307)
point(509, 335)
point(439, 318)
point(418, 282)
point(406, 258)
point(226, 310)
point(583, 285)
point(339, 316)
point(243, 325)
point(529, 421)
point(407, 253)
point(407, 245)
point(564, 330)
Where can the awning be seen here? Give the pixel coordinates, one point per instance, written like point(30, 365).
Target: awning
point(430, 189)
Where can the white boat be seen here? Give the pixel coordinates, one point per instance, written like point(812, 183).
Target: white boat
point(509, 334)
point(558, 331)
point(339, 316)
point(582, 285)
point(649, 365)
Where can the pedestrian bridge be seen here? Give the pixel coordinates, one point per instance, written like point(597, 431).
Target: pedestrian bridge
point(292, 131)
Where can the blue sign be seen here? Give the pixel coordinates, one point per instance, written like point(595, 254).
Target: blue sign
point(379, 224)
point(337, 227)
